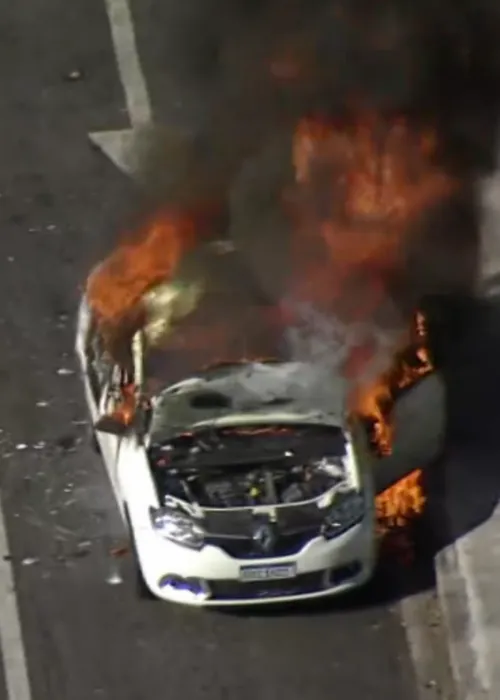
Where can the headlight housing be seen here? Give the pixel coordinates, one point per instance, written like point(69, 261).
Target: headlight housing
point(347, 510)
point(177, 527)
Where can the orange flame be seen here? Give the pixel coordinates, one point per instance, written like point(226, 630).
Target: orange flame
point(125, 410)
point(152, 255)
point(400, 504)
point(374, 402)
point(362, 186)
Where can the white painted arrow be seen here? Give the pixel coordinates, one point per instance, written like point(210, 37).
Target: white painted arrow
point(123, 146)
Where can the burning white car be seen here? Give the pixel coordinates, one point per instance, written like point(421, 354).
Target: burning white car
point(242, 484)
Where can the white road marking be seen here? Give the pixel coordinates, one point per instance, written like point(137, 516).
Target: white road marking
point(11, 638)
point(121, 145)
point(129, 65)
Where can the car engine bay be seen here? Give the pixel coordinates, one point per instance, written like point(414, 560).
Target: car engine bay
point(211, 479)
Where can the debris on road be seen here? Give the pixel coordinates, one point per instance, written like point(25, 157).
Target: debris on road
point(29, 561)
point(74, 75)
point(114, 579)
point(65, 372)
point(67, 443)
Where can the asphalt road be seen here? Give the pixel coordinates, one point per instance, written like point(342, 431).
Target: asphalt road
point(84, 634)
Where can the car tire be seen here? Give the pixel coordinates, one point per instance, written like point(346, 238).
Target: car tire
point(142, 589)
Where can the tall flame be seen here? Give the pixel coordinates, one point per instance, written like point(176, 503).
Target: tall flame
point(361, 185)
point(375, 402)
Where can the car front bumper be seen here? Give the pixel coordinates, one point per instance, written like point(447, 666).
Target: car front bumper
point(210, 577)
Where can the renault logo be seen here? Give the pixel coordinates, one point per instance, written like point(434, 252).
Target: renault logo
point(264, 537)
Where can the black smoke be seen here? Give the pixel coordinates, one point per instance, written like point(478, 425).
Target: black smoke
point(264, 65)
point(432, 59)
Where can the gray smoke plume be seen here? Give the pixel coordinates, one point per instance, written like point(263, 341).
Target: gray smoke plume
point(327, 343)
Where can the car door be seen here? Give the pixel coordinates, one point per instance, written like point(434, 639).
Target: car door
point(99, 378)
point(419, 417)
point(108, 442)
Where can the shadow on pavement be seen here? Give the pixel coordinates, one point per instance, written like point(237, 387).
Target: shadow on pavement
point(468, 481)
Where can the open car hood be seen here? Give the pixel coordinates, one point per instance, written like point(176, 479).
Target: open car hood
point(252, 393)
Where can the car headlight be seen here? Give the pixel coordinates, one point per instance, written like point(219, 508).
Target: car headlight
point(178, 527)
point(347, 510)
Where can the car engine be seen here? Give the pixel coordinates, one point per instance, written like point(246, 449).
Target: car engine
point(253, 485)
point(249, 467)
point(267, 485)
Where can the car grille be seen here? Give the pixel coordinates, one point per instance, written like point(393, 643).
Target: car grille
point(231, 589)
point(287, 544)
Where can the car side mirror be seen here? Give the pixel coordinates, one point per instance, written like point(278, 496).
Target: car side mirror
point(117, 423)
point(113, 424)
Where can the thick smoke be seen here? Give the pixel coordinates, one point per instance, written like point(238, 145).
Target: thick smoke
point(265, 65)
point(328, 344)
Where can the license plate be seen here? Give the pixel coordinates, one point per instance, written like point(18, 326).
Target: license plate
point(267, 573)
